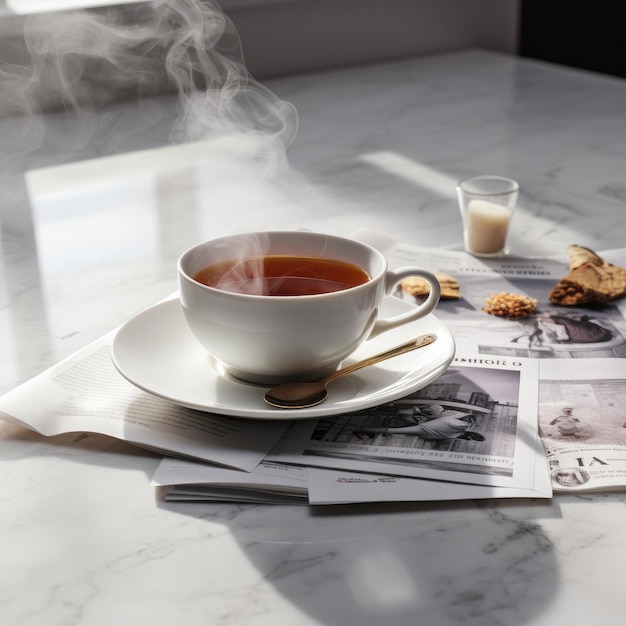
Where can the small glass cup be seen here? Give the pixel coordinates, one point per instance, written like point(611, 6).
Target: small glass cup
point(487, 204)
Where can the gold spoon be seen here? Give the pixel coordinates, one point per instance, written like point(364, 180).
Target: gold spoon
point(301, 395)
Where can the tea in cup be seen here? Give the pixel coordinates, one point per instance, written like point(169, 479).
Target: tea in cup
point(289, 305)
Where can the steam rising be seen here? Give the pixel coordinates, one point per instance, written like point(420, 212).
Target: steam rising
point(241, 275)
point(81, 61)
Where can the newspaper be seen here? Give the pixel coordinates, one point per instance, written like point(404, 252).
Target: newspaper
point(577, 360)
point(580, 351)
point(85, 393)
point(492, 451)
point(577, 357)
point(476, 424)
point(582, 421)
point(337, 487)
point(277, 481)
point(553, 332)
point(280, 483)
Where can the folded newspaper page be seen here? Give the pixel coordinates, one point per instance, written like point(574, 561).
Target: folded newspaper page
point(477, 424)
point(275, 483)
point(340, 487)
point(279, 483)
point(85, 393)
point(582, 421)
point(551, 332)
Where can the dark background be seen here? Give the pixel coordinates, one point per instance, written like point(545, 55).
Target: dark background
point(585, 35)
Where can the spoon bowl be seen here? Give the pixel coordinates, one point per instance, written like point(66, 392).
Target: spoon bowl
point(301, 395)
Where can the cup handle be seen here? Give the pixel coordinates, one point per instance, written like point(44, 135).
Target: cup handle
point(392, 279)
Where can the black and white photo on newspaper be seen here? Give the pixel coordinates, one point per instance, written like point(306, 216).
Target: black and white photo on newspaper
point(582, 423)
point(477, 424)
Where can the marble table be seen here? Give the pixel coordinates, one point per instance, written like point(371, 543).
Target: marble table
point(95, 211)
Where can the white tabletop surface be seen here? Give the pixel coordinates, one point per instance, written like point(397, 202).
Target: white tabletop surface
point(91, 235)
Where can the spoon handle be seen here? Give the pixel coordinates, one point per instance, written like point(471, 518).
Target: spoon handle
point(413, 344)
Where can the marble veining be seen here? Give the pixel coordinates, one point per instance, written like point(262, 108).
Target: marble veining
point(92, 220)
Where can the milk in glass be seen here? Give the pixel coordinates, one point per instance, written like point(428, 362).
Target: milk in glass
point(487, 225)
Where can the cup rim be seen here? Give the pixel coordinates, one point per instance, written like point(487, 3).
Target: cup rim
point(515, 187)
point(304, 297)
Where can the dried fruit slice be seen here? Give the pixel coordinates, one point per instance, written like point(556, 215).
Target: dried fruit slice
point(590, 279)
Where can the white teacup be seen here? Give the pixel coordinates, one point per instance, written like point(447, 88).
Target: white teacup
point(269, 339)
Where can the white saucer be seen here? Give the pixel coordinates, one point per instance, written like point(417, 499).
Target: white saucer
point(156, 351)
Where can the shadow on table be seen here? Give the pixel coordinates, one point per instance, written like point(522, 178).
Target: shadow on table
point(441, 564)
point(436, 564)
